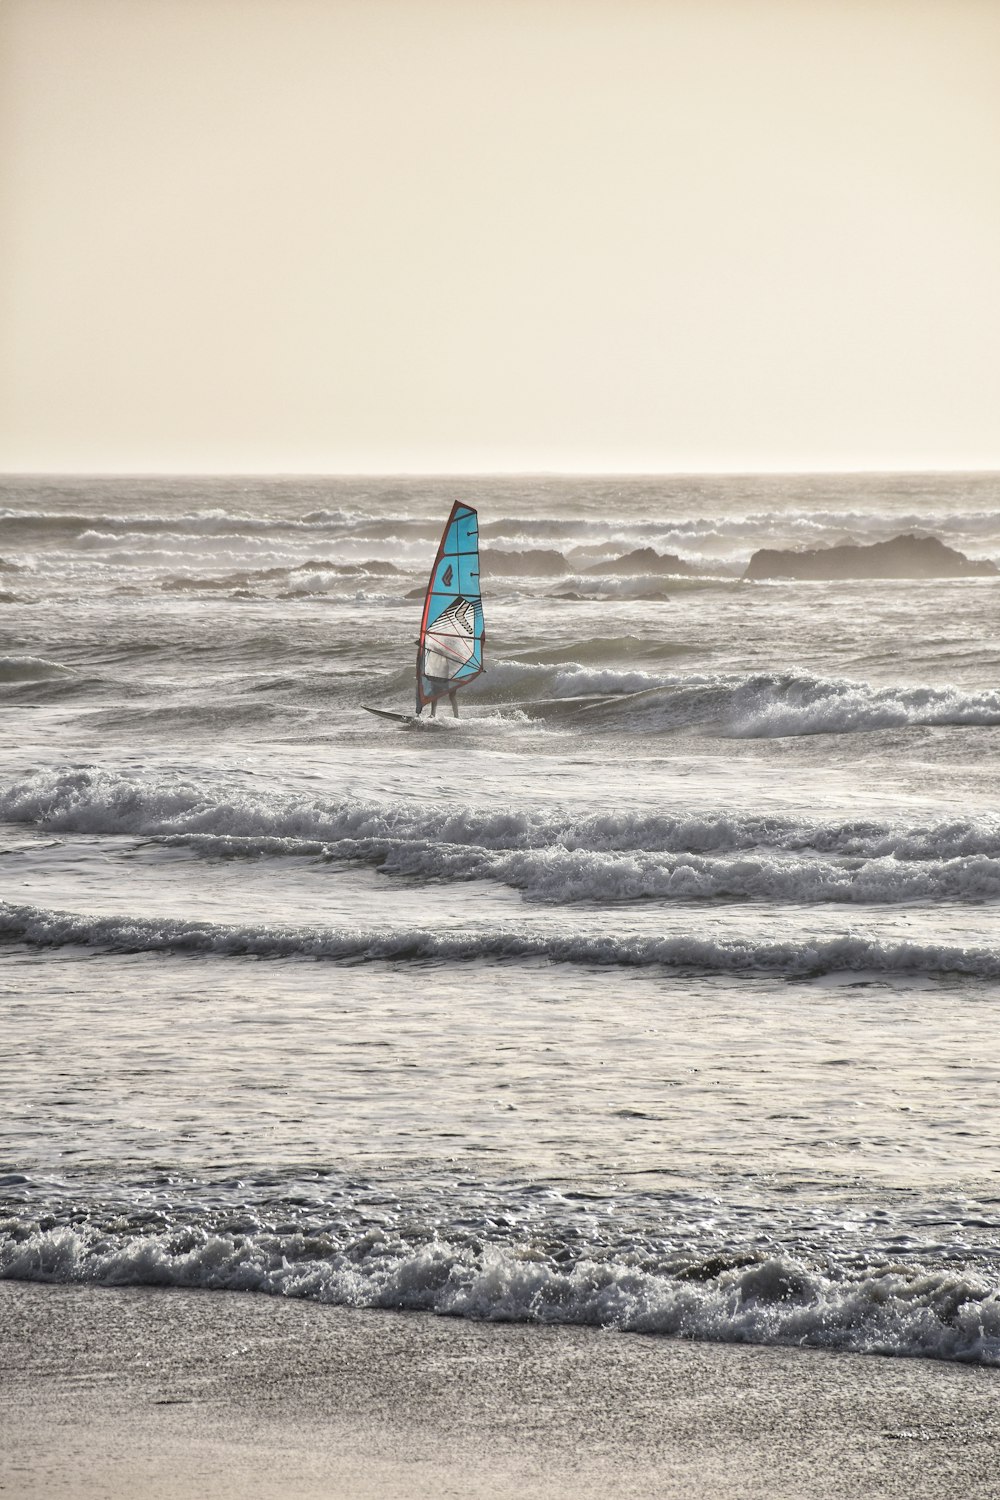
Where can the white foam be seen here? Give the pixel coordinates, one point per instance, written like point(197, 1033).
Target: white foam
point(565, 875)
point(91, 800)
point(809, 705)
point(779, 1301)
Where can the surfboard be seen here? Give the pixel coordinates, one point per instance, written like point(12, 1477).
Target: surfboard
point(411, 721)
point(383, 713)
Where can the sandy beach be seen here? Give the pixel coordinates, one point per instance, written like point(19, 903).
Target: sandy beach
point(174, 1394)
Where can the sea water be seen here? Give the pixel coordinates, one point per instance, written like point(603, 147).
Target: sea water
point(660, 991)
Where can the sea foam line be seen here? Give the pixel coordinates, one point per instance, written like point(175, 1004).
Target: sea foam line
point(779, 1301)
point(849, 952)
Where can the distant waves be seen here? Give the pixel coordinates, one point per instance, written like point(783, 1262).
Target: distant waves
point(575, 532)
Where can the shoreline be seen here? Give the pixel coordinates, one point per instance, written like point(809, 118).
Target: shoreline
point(174, 1394)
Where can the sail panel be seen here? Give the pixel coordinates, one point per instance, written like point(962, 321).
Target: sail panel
point(450, 645)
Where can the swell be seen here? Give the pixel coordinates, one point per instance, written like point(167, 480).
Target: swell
point(606, 651)
point(949, 1314)
point(30, 669)
point(41, 928)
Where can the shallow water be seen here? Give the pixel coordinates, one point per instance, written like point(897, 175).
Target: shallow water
point(659, 990)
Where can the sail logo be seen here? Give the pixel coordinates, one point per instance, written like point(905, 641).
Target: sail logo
point(447, 576)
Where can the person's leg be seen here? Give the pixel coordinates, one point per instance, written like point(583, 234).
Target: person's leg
point(453, 695)
point(434, 708)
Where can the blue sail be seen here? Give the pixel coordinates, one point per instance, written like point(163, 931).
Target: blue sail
point(450, 645)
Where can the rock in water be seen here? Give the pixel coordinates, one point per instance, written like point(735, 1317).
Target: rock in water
point(539, 562)
point(902, 557)
point(643, 560)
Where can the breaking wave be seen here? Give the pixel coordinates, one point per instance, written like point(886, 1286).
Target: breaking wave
point(848, 953)
point(804, 705)
point(91, 800)
point(765, 705)
point(605, 858)
point(778, 1300)
point(565, 876)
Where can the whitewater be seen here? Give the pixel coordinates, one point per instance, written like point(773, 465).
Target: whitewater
point(657, 993)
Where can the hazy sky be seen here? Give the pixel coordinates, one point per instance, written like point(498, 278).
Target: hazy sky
point(430, 235)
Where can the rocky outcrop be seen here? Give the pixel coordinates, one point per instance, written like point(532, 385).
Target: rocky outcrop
point(536, 562)
point(902, 557)
point(643, 560)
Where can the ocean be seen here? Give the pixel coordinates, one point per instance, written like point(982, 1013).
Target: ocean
point(659, 992)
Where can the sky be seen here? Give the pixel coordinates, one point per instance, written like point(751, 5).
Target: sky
point(430, 236)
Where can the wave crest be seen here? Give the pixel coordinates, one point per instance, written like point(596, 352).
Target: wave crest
point(849, 953)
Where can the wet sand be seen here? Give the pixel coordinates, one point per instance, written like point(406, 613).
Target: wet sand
point(171, 1394)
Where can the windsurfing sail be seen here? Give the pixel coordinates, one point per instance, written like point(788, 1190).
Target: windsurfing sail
point(450, 644)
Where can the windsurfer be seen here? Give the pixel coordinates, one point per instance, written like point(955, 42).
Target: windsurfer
point(446, 649)
point(450, 643)
point(452, 697)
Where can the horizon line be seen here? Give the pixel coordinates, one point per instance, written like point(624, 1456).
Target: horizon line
point(738, 473)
